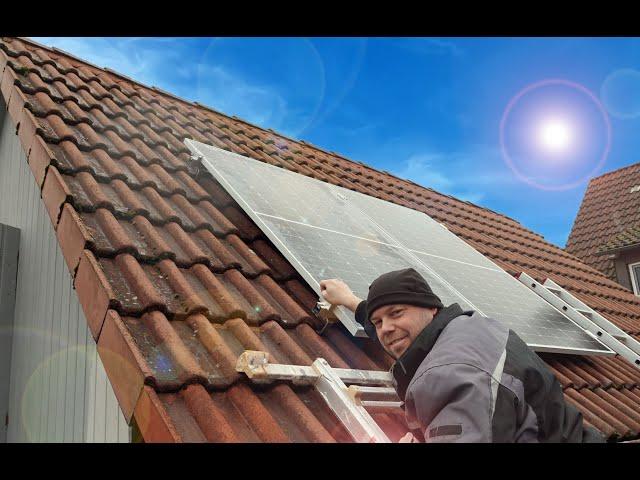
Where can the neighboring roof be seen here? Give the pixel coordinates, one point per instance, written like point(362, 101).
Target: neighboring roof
point(611, 206)
point(176, 281)
point(630, 238)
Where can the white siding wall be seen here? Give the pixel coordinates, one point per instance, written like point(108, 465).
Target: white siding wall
point(59, 391)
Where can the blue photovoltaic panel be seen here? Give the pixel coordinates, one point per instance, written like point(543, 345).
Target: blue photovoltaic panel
point(327, 231)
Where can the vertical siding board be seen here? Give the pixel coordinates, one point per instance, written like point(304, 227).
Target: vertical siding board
point(69, 391)
point(47, 299)
point(98, 398)
point(46, 329)
point(53, 266)
point(39, 327)
point(101, 403)
point(5, 185)
point(60, 363)
point(53, 380)
point(27, 318)
point(16, 188)
point(35, 305)
point(53, 339)
point(91, 392)
point(88, 391)
point(28, 310)
point(25, 304)
point(25, 312)
point(123, 429)
point(54, 303)
point(111, 418)
point(81, 359)
point(64, 341)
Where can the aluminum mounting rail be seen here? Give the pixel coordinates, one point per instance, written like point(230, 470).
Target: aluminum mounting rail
point(587, 318)
point(369, 389)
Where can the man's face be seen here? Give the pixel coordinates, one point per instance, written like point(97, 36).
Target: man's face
point(397, 326)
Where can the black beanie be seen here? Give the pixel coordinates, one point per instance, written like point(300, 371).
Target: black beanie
point(401, 287)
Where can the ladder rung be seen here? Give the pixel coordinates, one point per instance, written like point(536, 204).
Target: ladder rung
point(360, 393)
point(373, 406)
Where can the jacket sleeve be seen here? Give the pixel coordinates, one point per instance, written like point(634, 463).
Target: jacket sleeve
point(361, 312)
point(361, 318)
point(451, 403)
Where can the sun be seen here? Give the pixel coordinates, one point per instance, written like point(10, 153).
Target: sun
point(555, 135)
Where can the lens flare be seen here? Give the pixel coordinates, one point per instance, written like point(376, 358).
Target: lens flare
point(620, 93)
point(555, 134)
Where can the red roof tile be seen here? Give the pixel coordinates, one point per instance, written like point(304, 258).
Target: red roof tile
point(176, 281)
point(609, 212)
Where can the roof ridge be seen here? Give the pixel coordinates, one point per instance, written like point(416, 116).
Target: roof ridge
point(194, 103)
point(617, 170)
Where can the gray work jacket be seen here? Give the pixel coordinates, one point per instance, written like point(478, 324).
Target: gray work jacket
point(468, 378)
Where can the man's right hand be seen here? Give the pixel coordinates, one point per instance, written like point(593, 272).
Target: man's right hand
point(336, 292)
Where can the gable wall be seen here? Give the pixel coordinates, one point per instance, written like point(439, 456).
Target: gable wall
point(59, 391)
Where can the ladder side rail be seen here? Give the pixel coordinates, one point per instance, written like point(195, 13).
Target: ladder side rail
point(355, 418)
point(575, 302)
point(585, 323)
point(622, 336)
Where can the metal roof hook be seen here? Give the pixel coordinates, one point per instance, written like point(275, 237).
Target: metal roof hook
point(325, 312)
point(194, 165)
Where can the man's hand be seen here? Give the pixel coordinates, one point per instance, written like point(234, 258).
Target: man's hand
point(336, 292)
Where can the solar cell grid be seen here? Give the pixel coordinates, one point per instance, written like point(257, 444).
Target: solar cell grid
point(417, 231)
point(498, 295)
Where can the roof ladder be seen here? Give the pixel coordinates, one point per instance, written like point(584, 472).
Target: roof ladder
point(587, 318)
point(369, 390)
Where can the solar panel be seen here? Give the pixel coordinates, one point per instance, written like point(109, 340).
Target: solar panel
point(327, 231)
point(417, 231)
point(497, 294)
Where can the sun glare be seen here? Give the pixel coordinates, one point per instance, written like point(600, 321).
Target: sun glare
point(555, 135)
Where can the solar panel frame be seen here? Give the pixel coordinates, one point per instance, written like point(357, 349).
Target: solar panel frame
point(354, 203)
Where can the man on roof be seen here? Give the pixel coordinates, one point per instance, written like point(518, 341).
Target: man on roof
point(463, 377)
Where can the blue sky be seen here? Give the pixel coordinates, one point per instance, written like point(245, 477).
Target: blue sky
point(427, 109)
